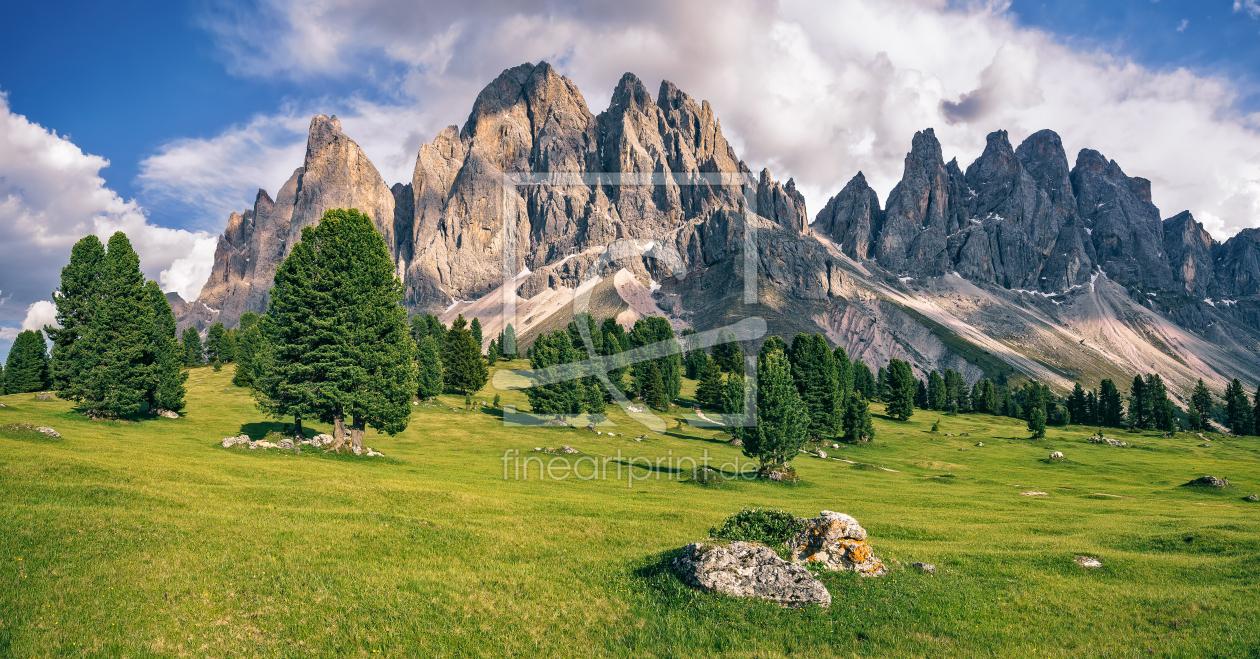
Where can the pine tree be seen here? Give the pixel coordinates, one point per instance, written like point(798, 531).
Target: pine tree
point(1139, 404)
point(863, 381)
point(119, 337)
point(1200, 407)
point(507, 343)
point(727, 353)
point(247, 349)
point(782, 421)
point(1110, 409)
point(1163, 412)
point(814, 371)
point(26, 368)
point(612, 347)
point(650, 384)
point(710, 390)
point(190, 342)
point(844, 371)
point(733, 394)
point(492, 353)
point(900, 385)
point(977, 397)
point(936, 391)
point(214, 342)
point(990, 397)
point(168, 358)
point(1037, 422)
point(1076, 404)
point(566, 396)
point(921, 397)
point(955, 390)
point(881, 385)
point(475, 329)
point(858, 427)
point(461, 359)
point(227, 347)
point(429, 378)
point(76, 300)
point(357, 359)
point(1237, 408)
point(1091, 408)
point(248, 320)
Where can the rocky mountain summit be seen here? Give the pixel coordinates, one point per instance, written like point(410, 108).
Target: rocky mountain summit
point(535, 206)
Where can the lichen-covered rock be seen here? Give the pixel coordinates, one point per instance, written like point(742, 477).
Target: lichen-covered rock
point(285, 443)
point(48, 431)
point(744, 569)
point(1099, 439)
point(321, 440)
point(837, 542)
point(1057, 456)
point(1209, 481)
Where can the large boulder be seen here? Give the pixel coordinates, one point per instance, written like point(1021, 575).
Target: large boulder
point(1209, 481)
point(837, 542)
point(744, 569)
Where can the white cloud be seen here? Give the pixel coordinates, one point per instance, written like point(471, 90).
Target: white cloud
point(39, 314)
point(51, 195)
point(814, 91)
point(1185, 23)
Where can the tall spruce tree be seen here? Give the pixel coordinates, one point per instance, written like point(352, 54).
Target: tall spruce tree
point(900, 385)
point(881, 385)
point(214, 343)
point(733, 394)
point(26, 367)
point(710, 389)
point(955, 391)
point(858, 427)
point(1076, 404)
point(475, 329)
point(863, 381)
point(727, 353)
point(1037, 422)
point(1110, 408)
point(782, 421)
point(507, 342)
point(1200, 407)
point(429, 377)
point(844, 371)
point(977, 397)
point(1237, 408)
point(1139, 404)
point(921, 397)
point(190, 343)
point(357, 360)
point(285, 377)
point(463, 368)
point(247, 350)
point(814, 371)
point(554, 350)
point(76, 299)
point(1163, 412)
point(168, 359)
point(118, 342)
point(936, 391)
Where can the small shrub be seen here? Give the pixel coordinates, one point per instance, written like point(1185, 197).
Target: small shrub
point(936, 426)
point(496, 400)
point(768, 526)
point(218, 366)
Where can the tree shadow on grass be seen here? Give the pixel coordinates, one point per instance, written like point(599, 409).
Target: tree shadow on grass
point(492, 411)
point(261, 429)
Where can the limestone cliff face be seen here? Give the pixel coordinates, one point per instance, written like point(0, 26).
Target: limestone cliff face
point(923, 210)
point(851, 218)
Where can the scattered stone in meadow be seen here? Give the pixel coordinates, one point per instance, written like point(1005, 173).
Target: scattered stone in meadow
point(375, 454)
point(1088, 561)
point(2, 405)
point(568, 449)
point(48, 431)
point(1252, 497)
point(43, 396)
point(949, 434)
point(822, 454)
point(321, 439)
point(1057, 456)
point(414, 403)
point(166, 414)
point(1206, 445)
point(1099, 439)
point(253, 445)
point(1035, 493)
point(924, 567)
point(979, 443)
point(966, 434)
point(635, 409)
point(835, 446)
point(285, 443)
point(735, 441)
point(555, 422)
point(837, 542)
point(229, 442)
point(1208, 481)
point(744, 569)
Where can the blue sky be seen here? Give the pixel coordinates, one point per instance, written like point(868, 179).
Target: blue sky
point(196, 105)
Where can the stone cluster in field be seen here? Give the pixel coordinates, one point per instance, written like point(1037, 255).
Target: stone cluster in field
point(167, 414)
point(1057, 456)
point(1209, 481)
point(1099, 439)
point(836, 541)
point(744, 569)
point(287, 444)
point(924, 567)
point(40, 429)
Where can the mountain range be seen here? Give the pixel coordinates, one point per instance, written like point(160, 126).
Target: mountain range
point(1020, 265)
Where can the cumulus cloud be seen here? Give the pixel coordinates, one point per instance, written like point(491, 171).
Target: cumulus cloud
point(815, 91)
point(51, 195)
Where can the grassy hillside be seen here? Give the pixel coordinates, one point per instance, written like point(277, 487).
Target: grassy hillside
point(149, 539)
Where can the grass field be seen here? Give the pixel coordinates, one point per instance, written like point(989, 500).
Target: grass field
point(149, 539)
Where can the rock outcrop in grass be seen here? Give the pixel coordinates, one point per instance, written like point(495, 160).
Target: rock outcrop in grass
point(837, 542)
point(745, 569)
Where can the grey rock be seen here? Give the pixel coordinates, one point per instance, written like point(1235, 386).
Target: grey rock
point(1057, 456)
point(285, 443)
point(748, 570)
point(233, 441)
point(851, 218)
point(48, 431)
point(1209, 481)
point(167, 414)
point(1253, 497)
point(781, 204)
point(924, 567)
point(1098, 439)
point(43, 396)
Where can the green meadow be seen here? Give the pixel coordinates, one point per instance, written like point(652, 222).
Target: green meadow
point(148, 539)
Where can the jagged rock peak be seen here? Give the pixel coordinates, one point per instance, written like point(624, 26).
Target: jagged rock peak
point(1044, 159)
point(852, 218)
point(782, 204)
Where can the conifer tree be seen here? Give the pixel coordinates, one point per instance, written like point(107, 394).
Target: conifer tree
point(462, 366)
point(650, 385)
point(977, 397)
point(858, 427)
point(844, 371)
point(990, 397)
point(921, 396)
point(612, 346)
point(1200, 407)
point(1110, 409)
point(782, 421)
point(76, 299)
point(214, 343)
point(814, 370)
point(356, 360)
point(567, 396)
point(247, 349)
point(881, 385)
point(190, 342)
point(863, 381)
point(955, 391)
point(26, 368)
point(1139, 404)
point(733, 394)
point(1076, 404)
point(727, 353)
point(119, 337)
point(936, 391)
point(1163, 412)
point(168, 358)
point(492, 353)
point(475, 330)
point(248, 320)
point(900, 385)
point(1037, 422)
point(711, 389)
point(227, 347)
point(1237, 408)
point(429, 378)
point(507, 342)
